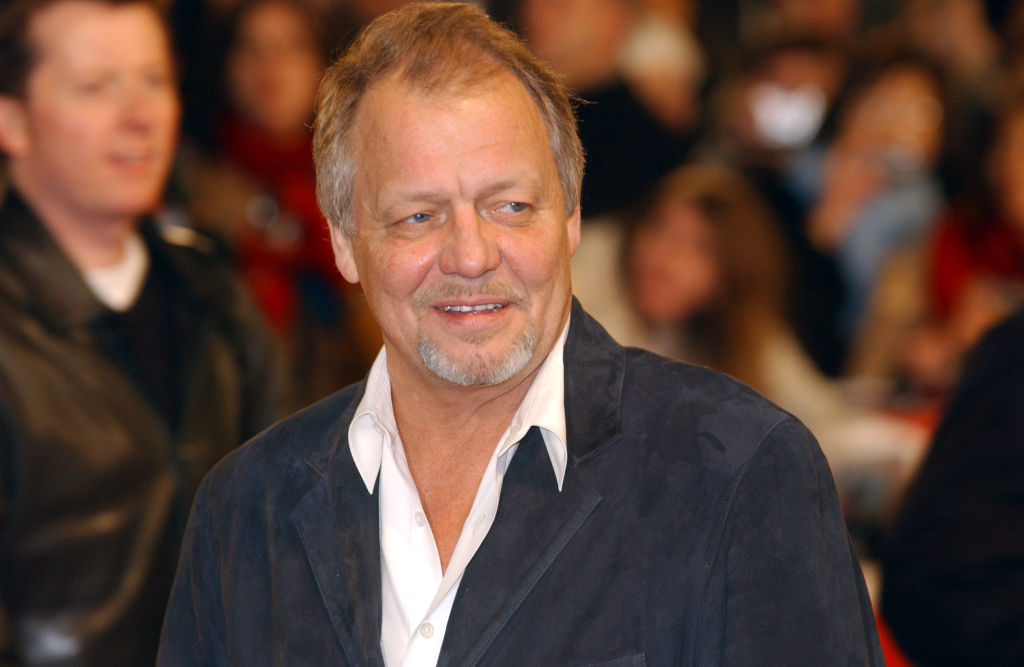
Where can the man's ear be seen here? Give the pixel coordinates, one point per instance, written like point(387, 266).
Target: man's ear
point(14, 136)
point(574, 231)
point(343, 257)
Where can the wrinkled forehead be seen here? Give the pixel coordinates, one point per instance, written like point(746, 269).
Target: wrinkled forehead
point(398, 92)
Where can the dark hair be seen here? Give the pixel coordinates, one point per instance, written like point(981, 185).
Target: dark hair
point(433, 47)
point(312, 21)
point(205, 91)
point(17, 53)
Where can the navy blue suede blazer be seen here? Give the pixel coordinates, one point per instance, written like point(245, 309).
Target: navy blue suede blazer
point(698, 525)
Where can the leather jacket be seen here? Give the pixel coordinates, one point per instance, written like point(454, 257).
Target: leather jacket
point(95, 484)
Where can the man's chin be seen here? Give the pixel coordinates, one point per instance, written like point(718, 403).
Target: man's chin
point(477, 368)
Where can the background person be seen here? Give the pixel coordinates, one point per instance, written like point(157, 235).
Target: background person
point(700, 276)
point(251, 183)
point(129, 361)
point(953, 587)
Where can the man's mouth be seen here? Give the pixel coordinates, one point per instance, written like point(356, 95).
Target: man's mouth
point(133, 158)
point(483, 307)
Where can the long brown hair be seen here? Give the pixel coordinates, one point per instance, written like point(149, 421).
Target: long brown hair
point(730, 333)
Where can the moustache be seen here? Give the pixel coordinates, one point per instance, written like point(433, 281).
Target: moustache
point(453, 290)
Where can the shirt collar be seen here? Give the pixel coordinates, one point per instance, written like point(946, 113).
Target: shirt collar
point(373, 427)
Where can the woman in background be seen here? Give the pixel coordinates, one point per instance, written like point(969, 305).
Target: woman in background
point(700, 275)
point(254, 186)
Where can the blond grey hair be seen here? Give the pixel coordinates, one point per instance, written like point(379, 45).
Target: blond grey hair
point(433, 47)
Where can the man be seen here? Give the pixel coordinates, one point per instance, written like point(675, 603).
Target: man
point(508, 486)
point(129, 362)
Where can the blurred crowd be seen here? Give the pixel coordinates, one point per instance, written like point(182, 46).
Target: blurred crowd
point(822, 198)
point(816, 196)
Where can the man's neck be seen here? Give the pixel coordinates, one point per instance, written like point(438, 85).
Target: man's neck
point(89, 243)
point(437, 413)
point(449, 437)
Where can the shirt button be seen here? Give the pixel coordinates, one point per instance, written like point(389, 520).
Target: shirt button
point(421, 519)
point(426, 630)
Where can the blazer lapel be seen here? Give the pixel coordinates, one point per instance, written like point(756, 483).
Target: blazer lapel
point(534, 523)
point(338, 525)
point(594, 374)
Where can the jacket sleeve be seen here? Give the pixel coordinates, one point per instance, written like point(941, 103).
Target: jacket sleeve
point(787, 587)
point(953, 561)
point(194, 627)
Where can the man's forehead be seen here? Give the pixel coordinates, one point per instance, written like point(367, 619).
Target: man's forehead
point(387, 101)
point(390, 106)
point(65, 20)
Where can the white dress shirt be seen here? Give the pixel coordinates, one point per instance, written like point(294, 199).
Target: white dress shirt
point(416, 597)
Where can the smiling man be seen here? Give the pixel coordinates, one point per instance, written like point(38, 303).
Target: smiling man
point(507, 486)
point(129, 364)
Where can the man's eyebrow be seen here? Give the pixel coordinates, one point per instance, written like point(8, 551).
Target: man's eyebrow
point(399, 197)
point(501, 186)
point(530, 183)
point(388, 200)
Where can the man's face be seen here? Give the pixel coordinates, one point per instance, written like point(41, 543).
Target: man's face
point(462, 243)
point(95, 134)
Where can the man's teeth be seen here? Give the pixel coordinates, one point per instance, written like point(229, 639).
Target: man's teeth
point(473, 309)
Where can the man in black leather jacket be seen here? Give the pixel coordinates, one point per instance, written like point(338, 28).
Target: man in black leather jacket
point(130, 360)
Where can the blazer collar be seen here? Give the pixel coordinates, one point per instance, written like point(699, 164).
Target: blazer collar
point(42, 276)
point(39, 274)
point(594, 372)
point(338, 525)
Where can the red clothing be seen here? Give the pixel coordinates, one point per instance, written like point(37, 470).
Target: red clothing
point(960, 254)
point(285, 235)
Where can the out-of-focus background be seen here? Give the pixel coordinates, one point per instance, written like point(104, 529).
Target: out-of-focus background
point(823, 198)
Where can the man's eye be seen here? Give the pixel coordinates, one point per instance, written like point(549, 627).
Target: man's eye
point(513, 207)
point(417, 218)
point(92, 86)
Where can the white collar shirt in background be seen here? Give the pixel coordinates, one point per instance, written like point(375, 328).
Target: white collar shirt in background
point(118, 286)
point(416, 597)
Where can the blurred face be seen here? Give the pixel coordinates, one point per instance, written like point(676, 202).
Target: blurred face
point(552, 27)
point(94, 137)
point(673, 264)
point(574, 36)
point(274, 68)
point(462, 243)
point(788, 102)
point(899, 116)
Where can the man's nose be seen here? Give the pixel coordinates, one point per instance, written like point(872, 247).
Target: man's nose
point(470, 249)
point(140, 107)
